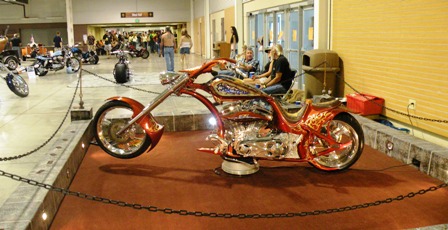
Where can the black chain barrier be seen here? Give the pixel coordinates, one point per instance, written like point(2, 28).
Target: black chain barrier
point(49, 139)
point(128, 86)
point(183, 212)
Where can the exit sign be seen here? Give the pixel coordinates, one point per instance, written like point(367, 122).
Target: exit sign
point(137, 14)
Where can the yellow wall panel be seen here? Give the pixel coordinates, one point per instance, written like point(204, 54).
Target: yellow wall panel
point(397, 50)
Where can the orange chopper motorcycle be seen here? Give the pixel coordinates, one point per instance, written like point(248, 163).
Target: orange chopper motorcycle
point(251, 125)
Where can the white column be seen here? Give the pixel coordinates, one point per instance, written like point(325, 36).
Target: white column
point(69, 13)
point(321, 24)
point(208, 44)
point(239, 23)
point(191, 31)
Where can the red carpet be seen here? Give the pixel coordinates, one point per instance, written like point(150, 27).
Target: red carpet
point(175, 175)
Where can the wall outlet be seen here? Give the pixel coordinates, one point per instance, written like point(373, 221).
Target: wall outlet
point(412, 104)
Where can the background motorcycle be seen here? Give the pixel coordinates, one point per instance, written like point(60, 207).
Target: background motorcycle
point(121, 68)
point(251, 126)
point(85, 57)
point(9, 57)
point(56, 61)
point(134, 52)
point(15, 82)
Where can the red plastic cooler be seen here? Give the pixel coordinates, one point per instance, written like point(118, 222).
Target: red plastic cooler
point(365, 104)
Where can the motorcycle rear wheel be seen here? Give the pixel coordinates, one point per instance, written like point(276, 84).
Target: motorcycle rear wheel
point(121, 73)
point(40, 70)
point(94, 59)
point(145, 54)
point(17, 85)
point(348, 143)
point(12, 62)
point(109, 119)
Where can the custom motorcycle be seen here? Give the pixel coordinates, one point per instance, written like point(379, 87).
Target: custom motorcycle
point(56, 61)
point(85, 57)
point(134, 52)
point(15, 82)
point(251, 125)
point(121, 68)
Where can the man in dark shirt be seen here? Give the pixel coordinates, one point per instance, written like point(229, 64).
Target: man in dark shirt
point(281, 76)
point(57, 40)
point(107, 37)
point(16, 43)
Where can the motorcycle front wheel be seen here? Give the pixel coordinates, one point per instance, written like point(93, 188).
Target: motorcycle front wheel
point(109, 119)
point(74, 63)
point(17, 85)
point(342, 141)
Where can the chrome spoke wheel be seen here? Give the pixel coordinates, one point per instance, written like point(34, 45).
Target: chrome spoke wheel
point(110, 119)
point(340, 146)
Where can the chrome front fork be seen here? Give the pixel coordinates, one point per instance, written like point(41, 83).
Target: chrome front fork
point(156, 101)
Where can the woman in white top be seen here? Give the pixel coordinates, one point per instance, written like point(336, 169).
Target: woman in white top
point(185, 45)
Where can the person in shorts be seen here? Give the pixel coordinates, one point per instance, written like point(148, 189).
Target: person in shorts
point(185, 45)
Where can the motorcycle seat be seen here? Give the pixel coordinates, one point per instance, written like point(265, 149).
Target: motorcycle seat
point(292, 117)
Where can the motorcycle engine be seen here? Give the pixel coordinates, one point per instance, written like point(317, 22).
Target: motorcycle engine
point(249, 131)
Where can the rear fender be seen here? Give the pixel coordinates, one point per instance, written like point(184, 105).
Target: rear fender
point(148, 123)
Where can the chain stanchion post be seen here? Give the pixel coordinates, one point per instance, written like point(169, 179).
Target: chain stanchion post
point(81, 113)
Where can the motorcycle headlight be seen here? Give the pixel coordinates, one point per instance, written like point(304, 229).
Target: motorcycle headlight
point(36, 66)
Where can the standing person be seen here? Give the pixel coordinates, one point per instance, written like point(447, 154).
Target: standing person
point(234, 43)
point(167, 45)
point(91, 42)
point(57, 40)
point(185, 44)
point(16, 43)
point(107, 37)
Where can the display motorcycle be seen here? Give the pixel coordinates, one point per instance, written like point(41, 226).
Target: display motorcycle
point(56, 61)
point(85, 57)
point(134, 52)
point(15, 82)
point(121, 68)
point(251, 125)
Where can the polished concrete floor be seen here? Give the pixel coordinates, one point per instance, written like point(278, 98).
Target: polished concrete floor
point(27, 123)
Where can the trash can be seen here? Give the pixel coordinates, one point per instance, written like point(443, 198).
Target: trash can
point(320, 67)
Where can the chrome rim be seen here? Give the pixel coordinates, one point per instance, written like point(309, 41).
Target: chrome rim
point(110, 122)
point(20, 85)
point(345, 147)
point(74, 63)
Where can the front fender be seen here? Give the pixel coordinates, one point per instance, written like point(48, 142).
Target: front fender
point(148, 123)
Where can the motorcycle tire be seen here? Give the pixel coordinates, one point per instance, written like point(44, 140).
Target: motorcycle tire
point(11, 62)
point(145, 54)
point(40, 70)
point(74, 63)
point(17, 85)
point(109, 119)
point(121, 73)
point(343, 142)
point(94, 59)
